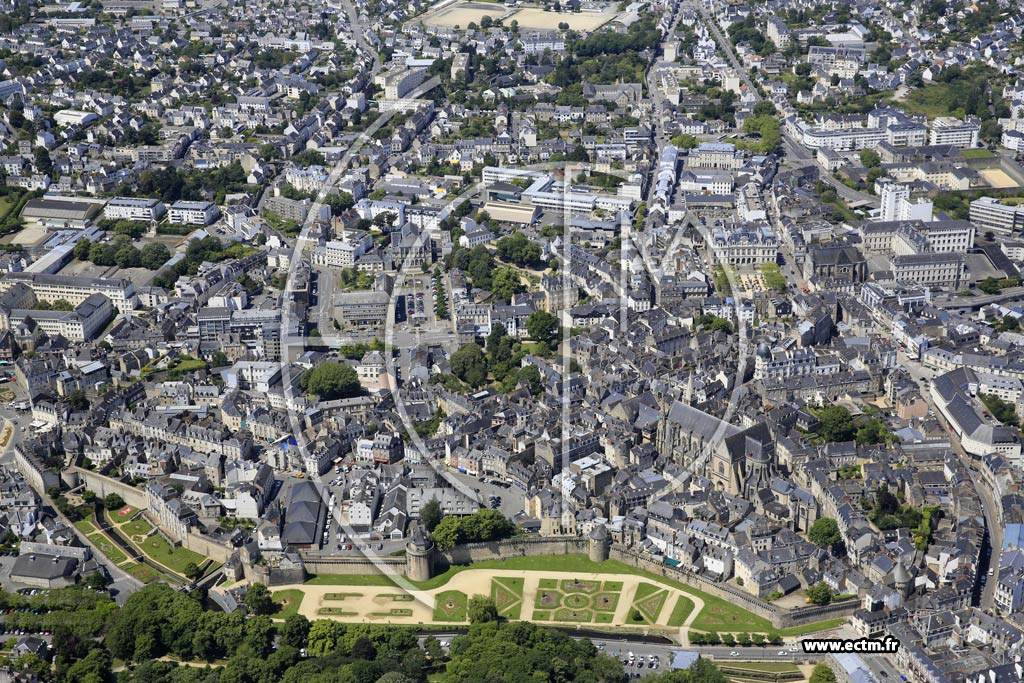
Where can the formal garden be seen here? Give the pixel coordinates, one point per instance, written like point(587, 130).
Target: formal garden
point(573, 600)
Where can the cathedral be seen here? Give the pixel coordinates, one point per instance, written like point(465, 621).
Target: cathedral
point(740, 461)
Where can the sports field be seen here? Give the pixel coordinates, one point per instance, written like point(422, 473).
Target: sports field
point(462, 14)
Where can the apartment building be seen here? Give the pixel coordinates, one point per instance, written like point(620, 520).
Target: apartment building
point(947, 130)
point(987, 213)
point(74, 289)
point(192, 213)
point(134, 209)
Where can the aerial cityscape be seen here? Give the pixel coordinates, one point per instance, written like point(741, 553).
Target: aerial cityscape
point(501, 341)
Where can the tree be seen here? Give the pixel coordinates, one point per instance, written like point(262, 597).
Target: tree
point(42, 159)
point(506, 283)
point(127, 256)
point(78, 400)
point(446, 533)
point(324, 637)
point(430, 514)
point(482, 609)
point(296, 630)
point(517, 249)
point(258, 601)
point(822, 673)
point(470, 365)
point(820, 593)
point(103, 254)
point(685, 141)
point(836, 424)
point(825, 532)
point(192, 571)
point(82, 247)
point(543, 327)
point(154, 255)
point(330, 381)
point(93, 668)
point(112, 501)
point(219, 359)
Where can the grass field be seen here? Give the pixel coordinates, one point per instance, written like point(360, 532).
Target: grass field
point(142, 572)
point(335, 612)
point(766, 667)
point(351, 580)
point(812, 628)
point(175, 559)
point(573, 600)
point(507, 592)
point(718, 614)
point(978, 153)
point(680, 612)
point(137, 527)
point(341, 596)
point(85, 526)
point(647, 603)
point(288, 602)
point(107, 547)
point(451, 606)
point(5, 206)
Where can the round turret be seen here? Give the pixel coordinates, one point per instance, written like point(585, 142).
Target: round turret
point(419, 556)
point(600, 543)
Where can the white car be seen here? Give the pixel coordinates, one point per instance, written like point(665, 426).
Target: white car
point(734, 654)
point(783, 653)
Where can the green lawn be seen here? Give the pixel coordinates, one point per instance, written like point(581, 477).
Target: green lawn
point(5, 206)
point(718, 614)
point(85, 526)
point(978, 153)
point(450, 606)
point(335, 612)
point(681, 611)
point(137, 527)
point(765, 667)
point(107, 547)
point(143, 572)
point(174, 558)
point(647, 602)
point(351, 580)
point(288, 602)
point(507, 592)
point(812, 627)
point(341, 596)
point(934, 99)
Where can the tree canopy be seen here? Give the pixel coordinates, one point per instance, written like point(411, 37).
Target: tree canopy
point(485, 525)
point(330, 381)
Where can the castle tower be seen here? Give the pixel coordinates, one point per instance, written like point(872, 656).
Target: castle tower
point(600, 544)
point(419, 556)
